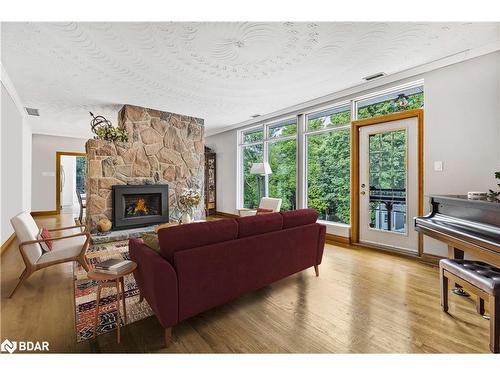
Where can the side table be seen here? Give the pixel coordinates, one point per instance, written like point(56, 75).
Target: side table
point(111, 280)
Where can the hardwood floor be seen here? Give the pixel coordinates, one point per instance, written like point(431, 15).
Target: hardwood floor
point(363, 302)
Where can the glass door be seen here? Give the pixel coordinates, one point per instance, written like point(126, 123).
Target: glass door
point(388, 177)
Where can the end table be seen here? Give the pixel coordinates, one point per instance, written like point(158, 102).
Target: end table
point(111, 280)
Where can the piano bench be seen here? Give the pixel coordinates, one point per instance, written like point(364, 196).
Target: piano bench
point(481, 279)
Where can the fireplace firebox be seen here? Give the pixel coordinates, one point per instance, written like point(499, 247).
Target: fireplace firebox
point(139, 205)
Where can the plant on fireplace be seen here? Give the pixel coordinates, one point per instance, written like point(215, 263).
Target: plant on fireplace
point(188, 199)
point(104, 129)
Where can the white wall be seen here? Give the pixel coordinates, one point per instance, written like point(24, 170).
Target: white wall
point(43, 193)
point(226, 146)
point(461, 128)
point(15, 142)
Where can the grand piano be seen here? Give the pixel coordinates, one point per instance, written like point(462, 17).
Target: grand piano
point(467, 226)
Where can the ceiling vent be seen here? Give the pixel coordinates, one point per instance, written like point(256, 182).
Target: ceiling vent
point(374, 76)
point(32, 111)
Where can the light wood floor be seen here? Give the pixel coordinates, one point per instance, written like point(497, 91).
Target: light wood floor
point(363, 302)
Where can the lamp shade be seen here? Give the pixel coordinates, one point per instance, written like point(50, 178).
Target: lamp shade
point(261, 169)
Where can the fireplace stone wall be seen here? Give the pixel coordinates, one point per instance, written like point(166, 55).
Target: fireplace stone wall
point(163, 148)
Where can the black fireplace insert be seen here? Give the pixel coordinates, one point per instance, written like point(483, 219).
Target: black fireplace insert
point(139, 205)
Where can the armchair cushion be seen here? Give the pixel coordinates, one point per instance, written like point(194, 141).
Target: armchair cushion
point(27, 230)
point(63, 249)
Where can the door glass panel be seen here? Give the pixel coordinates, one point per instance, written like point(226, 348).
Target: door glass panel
point(387, 174)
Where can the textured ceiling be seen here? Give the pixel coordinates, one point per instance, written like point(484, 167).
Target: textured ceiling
point(222, 72)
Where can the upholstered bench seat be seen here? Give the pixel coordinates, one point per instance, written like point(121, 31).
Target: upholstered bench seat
point(480, 274)
point(481, 279)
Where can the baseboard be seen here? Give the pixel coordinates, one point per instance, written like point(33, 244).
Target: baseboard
point(335, 239)
point(7, 243)
point(225, 214)
point(43, 213)
point(431, 259)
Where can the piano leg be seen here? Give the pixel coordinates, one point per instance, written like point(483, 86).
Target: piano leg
point(454, 253)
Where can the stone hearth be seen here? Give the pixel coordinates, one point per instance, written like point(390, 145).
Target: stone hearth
point(163, 148)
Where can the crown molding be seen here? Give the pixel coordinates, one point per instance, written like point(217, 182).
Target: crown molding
point(357, 89)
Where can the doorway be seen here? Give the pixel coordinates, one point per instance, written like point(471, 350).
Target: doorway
point(71, 172)
point(387, 180)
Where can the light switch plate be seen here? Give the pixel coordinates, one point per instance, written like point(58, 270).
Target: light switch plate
point(438, 166)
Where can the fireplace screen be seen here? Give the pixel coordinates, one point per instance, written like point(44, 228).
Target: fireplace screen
point(137, 205)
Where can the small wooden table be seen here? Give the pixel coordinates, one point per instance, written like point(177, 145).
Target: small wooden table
point(110, 280)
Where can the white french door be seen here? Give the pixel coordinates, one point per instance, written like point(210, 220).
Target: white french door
point(388, 184)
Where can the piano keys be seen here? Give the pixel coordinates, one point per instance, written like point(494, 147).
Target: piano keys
point(471, 226)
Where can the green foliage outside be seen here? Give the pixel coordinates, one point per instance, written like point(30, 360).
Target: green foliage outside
point(391, 106)
point(328, 161)
point(81, 170)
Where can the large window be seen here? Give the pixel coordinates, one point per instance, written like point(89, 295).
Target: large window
point(328, 163)
point(321, 139)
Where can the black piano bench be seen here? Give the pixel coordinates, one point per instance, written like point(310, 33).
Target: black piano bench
point(481, 279)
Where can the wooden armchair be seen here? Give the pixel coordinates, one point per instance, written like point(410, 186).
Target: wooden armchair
point(65, 248)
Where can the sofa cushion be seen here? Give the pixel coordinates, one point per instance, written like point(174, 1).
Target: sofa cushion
point(299, 217)
point(188, 236)
point(259, 224)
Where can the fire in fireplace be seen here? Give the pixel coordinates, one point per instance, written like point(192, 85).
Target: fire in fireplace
point(139, 205)
point(142, 204)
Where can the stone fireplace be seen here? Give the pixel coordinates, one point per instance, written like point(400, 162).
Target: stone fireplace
point(163, 149)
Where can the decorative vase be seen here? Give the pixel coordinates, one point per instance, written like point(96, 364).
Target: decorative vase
point(104, 225)
point(186, 218)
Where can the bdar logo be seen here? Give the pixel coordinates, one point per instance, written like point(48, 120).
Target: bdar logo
point(8, 346)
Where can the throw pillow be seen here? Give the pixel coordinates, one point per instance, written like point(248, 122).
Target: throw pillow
point(151, 241)
point(261, 211)
point(46, 245)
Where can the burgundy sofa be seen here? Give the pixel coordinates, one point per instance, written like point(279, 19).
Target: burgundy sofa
point(203, 265)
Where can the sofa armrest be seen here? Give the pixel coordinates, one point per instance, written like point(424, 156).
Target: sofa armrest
point(157, 281)
point(321, 242)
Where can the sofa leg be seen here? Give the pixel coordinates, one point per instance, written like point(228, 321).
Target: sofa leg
point(316, 270)
point(168, 337)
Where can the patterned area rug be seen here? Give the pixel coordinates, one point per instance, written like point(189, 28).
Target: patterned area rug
point(86, 293)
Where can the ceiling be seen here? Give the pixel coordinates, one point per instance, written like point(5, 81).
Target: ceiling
point(222, 72)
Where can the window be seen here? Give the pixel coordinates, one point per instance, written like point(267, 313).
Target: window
point(328, 164)
point(396, 101)
point(279, 149)
point(283, 181)
point(252, 152)
point(324, 143)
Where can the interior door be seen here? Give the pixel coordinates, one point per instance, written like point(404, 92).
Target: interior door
point(388, 178)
